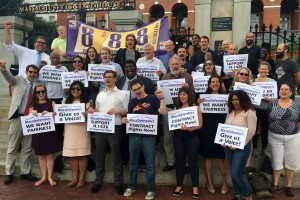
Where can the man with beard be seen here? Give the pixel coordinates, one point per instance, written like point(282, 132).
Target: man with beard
point(286, 69)
point(124, 83)
point(253, 52)
point(143, 104)
point(198, 56)
point(169, 46)
point(183, 54)
point(176, 73)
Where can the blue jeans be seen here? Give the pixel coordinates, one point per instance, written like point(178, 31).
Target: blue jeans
point(237, 162)
point(146, 144)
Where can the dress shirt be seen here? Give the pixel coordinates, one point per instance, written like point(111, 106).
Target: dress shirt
point(25, 56)
point(112, 99)
point(117, 67)
point(153, 61)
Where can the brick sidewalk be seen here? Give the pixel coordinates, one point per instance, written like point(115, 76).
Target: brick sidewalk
point(24, 190)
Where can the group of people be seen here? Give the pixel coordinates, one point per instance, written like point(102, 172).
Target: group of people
point(183, 145)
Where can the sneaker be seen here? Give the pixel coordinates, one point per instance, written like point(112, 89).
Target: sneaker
point(128, 192)
point(150, 195)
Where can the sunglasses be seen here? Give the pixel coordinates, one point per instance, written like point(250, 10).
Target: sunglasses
point(77, 89)
point(41, 92)
point(243, 74)
point(76, 61)
point(208, 64)
point(32, 72)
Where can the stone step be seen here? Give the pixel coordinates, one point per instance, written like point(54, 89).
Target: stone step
point(4, 125)
point(5, 101)
point(4, 112)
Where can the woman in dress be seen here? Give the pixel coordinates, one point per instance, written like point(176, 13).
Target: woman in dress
point(284, 137)
point(44, 144)
point(186, 144)
point(208, 148)
point(261, 110)
point(241, 113)
point(77, 142)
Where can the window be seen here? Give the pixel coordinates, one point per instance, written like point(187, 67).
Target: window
point(91, 19)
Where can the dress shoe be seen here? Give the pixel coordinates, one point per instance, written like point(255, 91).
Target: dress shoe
point(29, 177)
point(176, 194)
point(95, 188)
point(210, 190)
point(195, 196)
point(120, 189)
point(168, 168)
point(8, 179)
point(288, 191)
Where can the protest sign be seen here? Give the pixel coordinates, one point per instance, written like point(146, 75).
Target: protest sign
point(197, 74)
point(68, 78)
point(234, 136)
point(233, 62)
point(187, 116)
point(254, 92)
point(142, 124)
point(269, 89)
point(173, 84)
point(167, 95)
point(101, 122)
point(96, 71)
point(51, 73)
point(37, 124)
point(69, 113)
point(200, 83)
point(214, 103)
point(81, 36)
point(148, 70)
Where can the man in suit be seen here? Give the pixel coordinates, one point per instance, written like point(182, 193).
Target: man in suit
point(21, 99)
point(123, 83)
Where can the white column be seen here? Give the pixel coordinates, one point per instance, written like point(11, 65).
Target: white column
point(241, 21)
point(203, 17)
point(127, 20)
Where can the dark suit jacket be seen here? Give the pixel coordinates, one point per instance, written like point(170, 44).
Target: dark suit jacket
point(121, 57)
point(149, 87)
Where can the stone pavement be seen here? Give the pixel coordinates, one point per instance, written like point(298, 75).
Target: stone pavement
point(24, 190)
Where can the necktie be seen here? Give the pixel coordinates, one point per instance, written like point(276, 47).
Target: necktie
point(29, 98)
point(129, 89)
point(39, 56)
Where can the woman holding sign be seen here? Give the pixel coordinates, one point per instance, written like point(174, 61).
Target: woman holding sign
point(44, 144)
point(186, 144)
point(284, 137)
point(261, 110)
point(242, 75)
point(77, 142)
point(207, 135)
point(241, 113)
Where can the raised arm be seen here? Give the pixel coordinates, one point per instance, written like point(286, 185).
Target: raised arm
point(7, 35)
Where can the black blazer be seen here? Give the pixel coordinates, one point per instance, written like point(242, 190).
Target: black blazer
point(121, 57)
point(149, 87)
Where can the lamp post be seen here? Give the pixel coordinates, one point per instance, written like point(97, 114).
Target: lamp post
point(102, 21)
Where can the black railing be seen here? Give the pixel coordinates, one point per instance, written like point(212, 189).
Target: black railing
point(277, 36)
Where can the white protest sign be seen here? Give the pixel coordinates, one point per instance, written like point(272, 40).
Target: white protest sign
point(269, 89)
point(214, 103)
point(50, 73)
point(69, 113)
point(40, 124)
point(187, 116)
point(254, 92)
point(234, 136)
point(200, 69)
point(197, 74)
point(200, 83)
point(233, 62)
point(173, 84)
point(101, 122)
point(218, 69)
point(96, 71)
point(148, 70)
point(167, 95)
point(68, 78)
point(142, 124)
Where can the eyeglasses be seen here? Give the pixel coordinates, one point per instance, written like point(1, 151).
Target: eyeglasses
point(32, 72)
point(41, 92)
point(76, 61)
point(137, 89)
point(39, 42)
point(243, 74)
point(76, 89)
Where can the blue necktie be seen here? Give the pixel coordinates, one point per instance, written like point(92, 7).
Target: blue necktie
point(39, 56)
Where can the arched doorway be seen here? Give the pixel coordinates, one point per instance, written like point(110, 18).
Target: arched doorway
point(180, 15)
point(256, 10)
point(288, 14)
point(156, 12)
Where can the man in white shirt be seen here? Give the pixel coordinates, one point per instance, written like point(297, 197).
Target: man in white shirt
point(111, 101)
point(25, 56)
